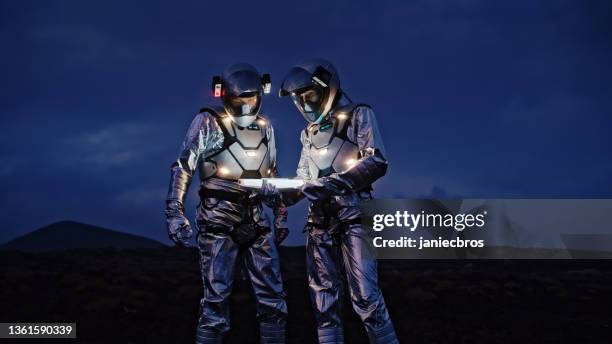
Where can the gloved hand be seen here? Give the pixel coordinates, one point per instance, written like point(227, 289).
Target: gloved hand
point(280, 223)
point(280, 235)
point(179, 229)
point(268, 194)
point(324, 187)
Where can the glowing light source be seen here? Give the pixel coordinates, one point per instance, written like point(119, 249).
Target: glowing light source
point(250, 153)
point(261, 122)
point(323, 151)
point(217, 90)
point(223, 170)
point(269, 170)
point(341, 116)
point(351, 162)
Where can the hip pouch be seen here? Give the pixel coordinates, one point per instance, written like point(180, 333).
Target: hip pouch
point(245, 234)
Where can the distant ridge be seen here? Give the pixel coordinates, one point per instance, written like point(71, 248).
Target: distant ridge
point(66, 235)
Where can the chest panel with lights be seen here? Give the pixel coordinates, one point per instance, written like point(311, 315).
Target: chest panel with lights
point(245, 152)
point(331, 150)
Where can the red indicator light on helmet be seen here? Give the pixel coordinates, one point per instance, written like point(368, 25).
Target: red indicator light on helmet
point(217, 86)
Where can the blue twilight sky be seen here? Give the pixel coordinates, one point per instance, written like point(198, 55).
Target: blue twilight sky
point(475, 98)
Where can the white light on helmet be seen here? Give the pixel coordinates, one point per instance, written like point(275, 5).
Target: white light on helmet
point(217, 90)
point(319, 81)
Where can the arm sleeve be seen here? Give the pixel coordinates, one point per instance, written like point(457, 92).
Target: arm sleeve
point(372, 163)
point(182, 170)
point(303, 172)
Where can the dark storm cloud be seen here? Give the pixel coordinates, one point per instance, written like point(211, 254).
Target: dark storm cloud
point(474, 98)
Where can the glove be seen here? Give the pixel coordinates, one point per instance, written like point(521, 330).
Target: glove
point(370, 167)
point(268, 194)
point(179, 229)
point(280, 235)
point(323, 188)
point(366, 171)
point(178, 226)
point(280, 223)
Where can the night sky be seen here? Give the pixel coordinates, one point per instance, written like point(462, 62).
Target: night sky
point(474, 98)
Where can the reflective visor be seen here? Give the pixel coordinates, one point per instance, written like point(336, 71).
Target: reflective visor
point(296, 79)
point(308, 99)
point(246, 104)
point(242, 82)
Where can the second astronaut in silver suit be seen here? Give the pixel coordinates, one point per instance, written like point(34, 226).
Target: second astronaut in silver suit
point(225, 144)
point(342, 155)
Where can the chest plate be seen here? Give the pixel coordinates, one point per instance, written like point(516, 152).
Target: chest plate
point(331, 151)
point(245, 152)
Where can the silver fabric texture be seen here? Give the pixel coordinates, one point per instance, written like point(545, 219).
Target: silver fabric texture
point(330, 335)
point(205, 138)
point(336, 242)
point(332, 254)
point(361, 131)
point(219, 255)
point(208, 337)
point(216, 222)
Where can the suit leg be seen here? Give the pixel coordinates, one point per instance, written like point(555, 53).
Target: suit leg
point(362, 277)
point(218, 254)
point(262, 264)
point(325, 284)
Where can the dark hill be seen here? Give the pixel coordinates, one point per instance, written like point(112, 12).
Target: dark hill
point(75, 235)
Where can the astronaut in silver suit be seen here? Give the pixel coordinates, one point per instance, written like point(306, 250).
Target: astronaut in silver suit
point(225, 144)
point(342, 155)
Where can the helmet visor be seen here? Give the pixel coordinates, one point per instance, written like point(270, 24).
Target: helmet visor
point(246, 104)
point(309, 101)
point(296, 79)
point(244, 81)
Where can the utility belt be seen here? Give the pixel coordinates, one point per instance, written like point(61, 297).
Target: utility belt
point(244, 233)
point(336, 230)
point(234, 197)
point(326, 224)
point(328, 209)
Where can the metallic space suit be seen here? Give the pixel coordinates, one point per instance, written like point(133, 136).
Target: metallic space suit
point(223, 145)
point(341, 157)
